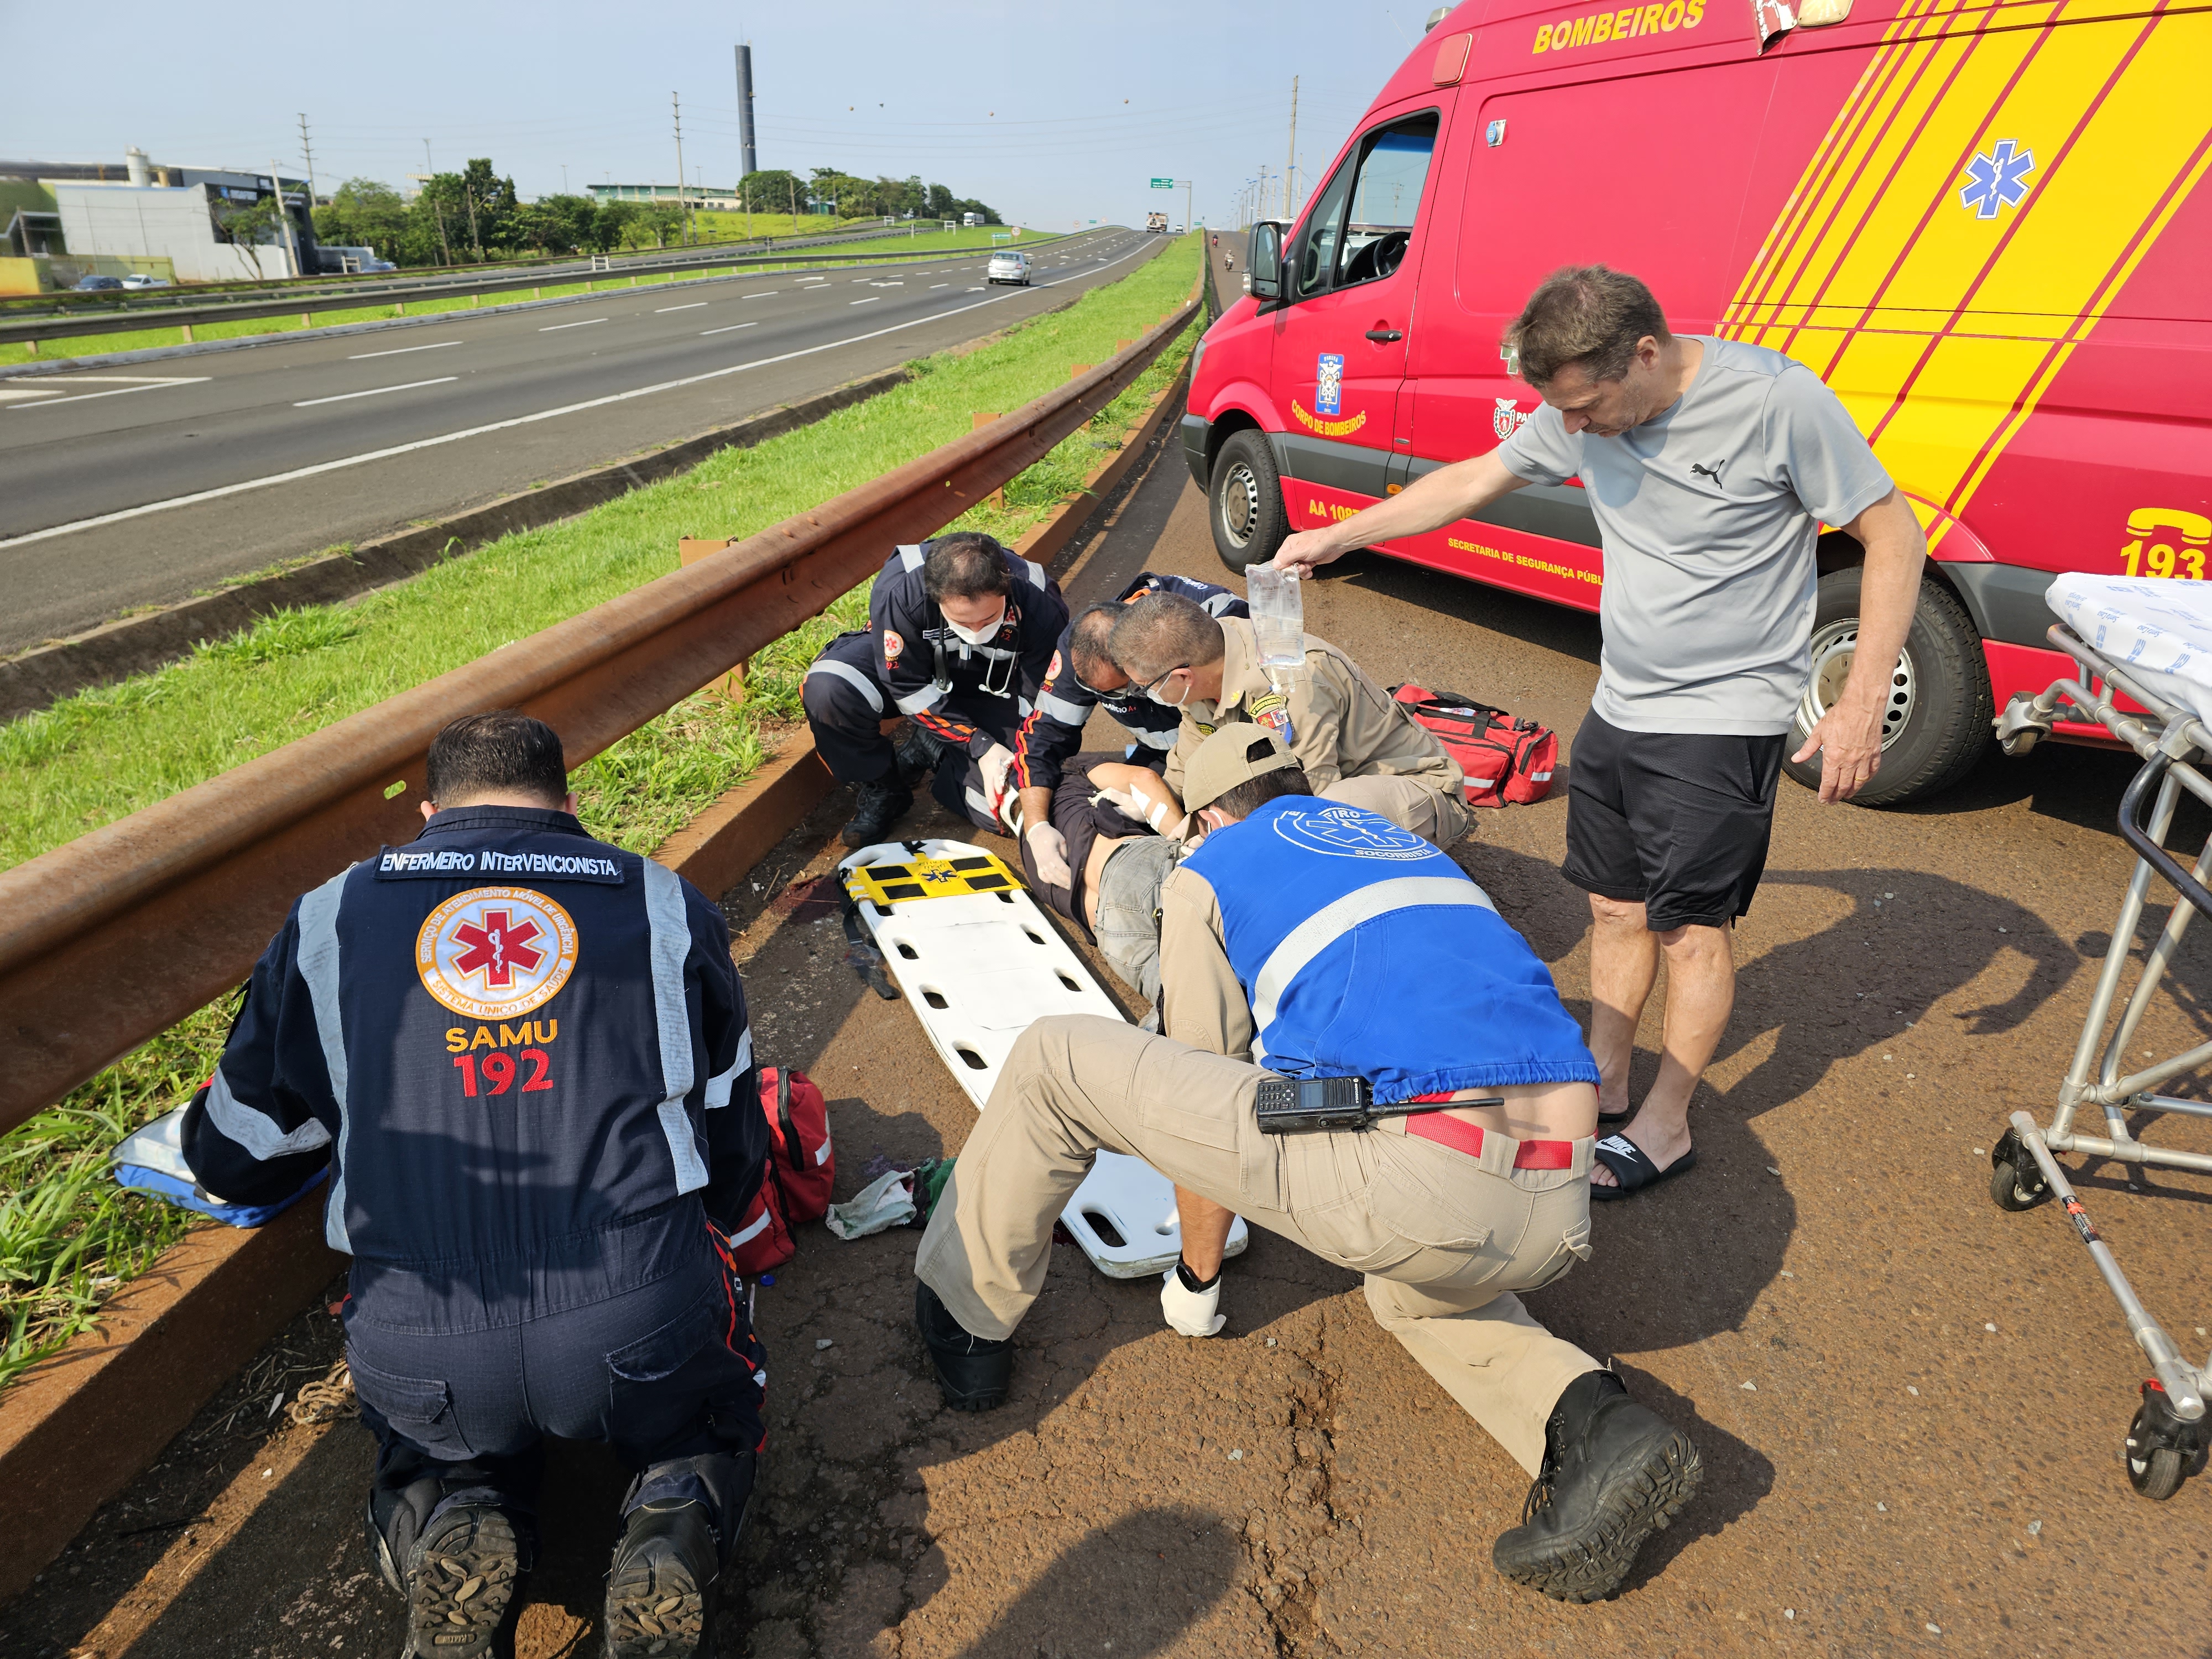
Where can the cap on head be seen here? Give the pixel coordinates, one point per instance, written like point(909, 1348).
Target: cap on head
point(1233, 755)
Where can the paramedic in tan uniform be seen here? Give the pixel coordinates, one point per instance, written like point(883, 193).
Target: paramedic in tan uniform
point(1368, 953)
point(1355, 743)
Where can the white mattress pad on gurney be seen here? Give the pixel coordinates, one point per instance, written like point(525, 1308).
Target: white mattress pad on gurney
point(2160, 631)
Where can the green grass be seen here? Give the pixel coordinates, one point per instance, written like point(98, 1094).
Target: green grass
point(140, 339)
point(67, 1235)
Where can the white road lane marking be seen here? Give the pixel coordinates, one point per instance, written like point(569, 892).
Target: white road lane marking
point(398, 351)
point(320, 467)
point(765, 294)
point(144, 383)
point(374, 392)
point(732, 329)
point(933, 287)
point(870, 301)
point(660, 310)
point(586, 322)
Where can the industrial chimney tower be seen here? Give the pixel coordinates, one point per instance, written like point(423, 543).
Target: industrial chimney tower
point(745, 110)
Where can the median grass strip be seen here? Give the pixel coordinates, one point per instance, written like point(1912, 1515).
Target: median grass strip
point(141, 340)
point(67, 1236)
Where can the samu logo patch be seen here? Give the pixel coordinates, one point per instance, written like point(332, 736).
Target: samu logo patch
point(495, 953)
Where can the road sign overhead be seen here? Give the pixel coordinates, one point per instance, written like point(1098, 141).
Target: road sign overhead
point(1162, 184)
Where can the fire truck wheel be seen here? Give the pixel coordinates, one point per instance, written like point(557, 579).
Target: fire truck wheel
point(1246, 496)
point(1936, 723)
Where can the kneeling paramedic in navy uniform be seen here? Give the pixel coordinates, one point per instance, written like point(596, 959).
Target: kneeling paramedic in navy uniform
point(524, 1055)
point(960, 634)
point(1306, 938)
point(1083, 677)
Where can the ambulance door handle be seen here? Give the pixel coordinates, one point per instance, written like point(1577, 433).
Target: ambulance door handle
point(1385, 336)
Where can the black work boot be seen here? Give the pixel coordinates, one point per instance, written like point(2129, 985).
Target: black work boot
point(918, 753)
point(880, 804)
point(459, 1578)
point(1614, 1473)
point(972, 1371)
point(660, 1590)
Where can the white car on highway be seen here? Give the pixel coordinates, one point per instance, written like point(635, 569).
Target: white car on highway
point(1008, 266)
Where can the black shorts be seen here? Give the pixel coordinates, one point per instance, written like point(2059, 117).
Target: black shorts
point(1678, 822)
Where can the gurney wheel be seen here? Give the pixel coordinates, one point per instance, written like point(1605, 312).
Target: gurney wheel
point(2015, 1183)
point(2156, 1470)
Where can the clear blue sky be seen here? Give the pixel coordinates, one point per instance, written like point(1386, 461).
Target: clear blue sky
point(1049, 111)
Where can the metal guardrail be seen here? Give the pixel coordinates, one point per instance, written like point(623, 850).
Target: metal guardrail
point(172, 312)
point(113, 938)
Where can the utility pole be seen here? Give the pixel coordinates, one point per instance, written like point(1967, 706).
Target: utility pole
point(564, 177)
point(307, 154)
point(287, 237)
point(682, 205)
point(1188, 222)
point(428, 168)
point(1289, 164)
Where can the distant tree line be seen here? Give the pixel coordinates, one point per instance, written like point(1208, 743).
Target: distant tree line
point(466, 217)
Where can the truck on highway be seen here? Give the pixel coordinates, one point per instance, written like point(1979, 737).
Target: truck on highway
point(1988, 238)
point(1156, 224)
point(969, 221)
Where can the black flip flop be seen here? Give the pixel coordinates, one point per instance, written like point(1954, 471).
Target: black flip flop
point(1614, 1120)
point(1633, 1167)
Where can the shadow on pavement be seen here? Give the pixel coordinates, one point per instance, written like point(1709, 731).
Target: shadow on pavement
point(1145, 1578)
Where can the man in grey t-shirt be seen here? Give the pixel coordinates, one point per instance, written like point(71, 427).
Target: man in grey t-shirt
point(1709, 465)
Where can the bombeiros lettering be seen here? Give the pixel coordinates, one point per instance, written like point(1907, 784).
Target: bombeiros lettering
point(1628, 23)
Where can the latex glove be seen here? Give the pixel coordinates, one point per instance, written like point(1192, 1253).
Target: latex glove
point(994, 764)
point(1192, 1313)
point(1048, 850)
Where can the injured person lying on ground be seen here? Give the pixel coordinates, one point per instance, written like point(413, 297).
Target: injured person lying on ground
point(1120, 833)
point(1378, 974)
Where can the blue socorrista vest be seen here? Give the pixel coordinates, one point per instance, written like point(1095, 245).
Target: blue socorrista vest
point(1366, 952)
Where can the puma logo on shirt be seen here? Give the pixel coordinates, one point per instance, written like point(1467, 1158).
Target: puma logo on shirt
point(1712, 471)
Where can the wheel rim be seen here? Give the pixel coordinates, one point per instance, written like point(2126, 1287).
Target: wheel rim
point(1240, 502)
point(1833, 648)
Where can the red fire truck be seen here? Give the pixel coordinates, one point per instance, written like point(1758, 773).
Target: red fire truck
point(1986, 225)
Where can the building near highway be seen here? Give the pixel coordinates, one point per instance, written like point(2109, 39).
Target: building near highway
point(705, 199)
point(68, 220)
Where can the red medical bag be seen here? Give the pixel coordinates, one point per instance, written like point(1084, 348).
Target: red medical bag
point(1505, 759)
point(802, 1166)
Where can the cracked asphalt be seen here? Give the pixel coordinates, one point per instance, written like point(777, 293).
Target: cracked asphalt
point(1909, 1404)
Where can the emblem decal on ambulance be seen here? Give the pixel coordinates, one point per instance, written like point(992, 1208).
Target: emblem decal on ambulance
point(495, 952)
point(1997, 181)
point(1506, 420)
point(1329, 383)
point(1347, 832)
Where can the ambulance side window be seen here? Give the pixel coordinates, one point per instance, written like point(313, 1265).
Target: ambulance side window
point(1359, 227)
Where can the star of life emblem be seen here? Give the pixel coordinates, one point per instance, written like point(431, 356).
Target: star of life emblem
point(1997, 181)
point(495, 953)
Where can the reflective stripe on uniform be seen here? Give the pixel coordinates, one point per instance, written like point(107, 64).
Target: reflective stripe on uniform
point(853, 677)
point(1325, 926)
point(1058, 707)
point(720, 1084)
point(927, 697)
point(1036, 574)
point(1162, 741)
point(909, 556)
point(318, 967)
point(672, 947)
point(1217, 604)
point(254, 1129)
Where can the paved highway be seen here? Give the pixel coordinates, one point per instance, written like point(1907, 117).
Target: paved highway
point(143, 484)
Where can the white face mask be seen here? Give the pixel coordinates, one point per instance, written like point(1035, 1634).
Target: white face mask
point(982, 636)
point(1156, 693)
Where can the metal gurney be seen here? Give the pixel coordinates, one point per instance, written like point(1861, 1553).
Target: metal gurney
point(2150, 642)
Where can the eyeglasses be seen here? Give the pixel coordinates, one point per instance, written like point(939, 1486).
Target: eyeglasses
point(1150, 685)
